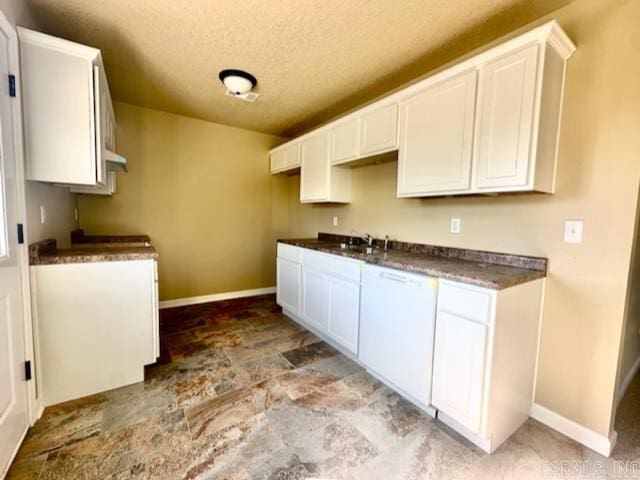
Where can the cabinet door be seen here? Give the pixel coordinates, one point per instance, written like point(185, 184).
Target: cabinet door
point(288, 285)
point(315, 299)
point(344, 140)
point(507, 91)
point(57, 90)
point(458, 369)
point(278, 160)
point(379, 130)
point(286, 158)
point(436, 138)
point(314, 174)
point(344, 313)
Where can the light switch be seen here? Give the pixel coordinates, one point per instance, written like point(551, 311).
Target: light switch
point(455, 225)
point(75, 213)
point(43, 214)
point(335, 221)
point(573, 231)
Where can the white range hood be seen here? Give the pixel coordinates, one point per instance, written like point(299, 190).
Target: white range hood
point(115, 162)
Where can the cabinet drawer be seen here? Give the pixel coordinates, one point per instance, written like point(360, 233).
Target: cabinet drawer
point(466, 301)
point(331, 264)
point(289, 252)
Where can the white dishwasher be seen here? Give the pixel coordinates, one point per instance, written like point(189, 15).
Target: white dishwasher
point(397, 323)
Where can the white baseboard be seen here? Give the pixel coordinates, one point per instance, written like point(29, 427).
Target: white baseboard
point(216, 297)
point(627, 381)
point(599, 443)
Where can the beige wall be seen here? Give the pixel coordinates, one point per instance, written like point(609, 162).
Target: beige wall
point(599, 168)
point(631, 331)
point(59, 203)
point(203, 192)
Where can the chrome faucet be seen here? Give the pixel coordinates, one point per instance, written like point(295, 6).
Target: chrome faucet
point(366, 237)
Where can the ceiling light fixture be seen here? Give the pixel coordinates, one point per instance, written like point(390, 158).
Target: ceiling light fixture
point(237, 82)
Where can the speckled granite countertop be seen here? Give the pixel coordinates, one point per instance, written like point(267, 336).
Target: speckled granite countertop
point(484, 269)
point(46, 252)
point(78, 238)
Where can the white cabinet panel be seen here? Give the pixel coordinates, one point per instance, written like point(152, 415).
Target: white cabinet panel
point(314, 181)
point(288, 285)
point(344, 313)
point(286, 158)
point(64, 84)
point(459, 366)
point(315, 299)
point(436, 138)
point(344, 141)
point(507, 93)
point(83, 349)
point(379, 130)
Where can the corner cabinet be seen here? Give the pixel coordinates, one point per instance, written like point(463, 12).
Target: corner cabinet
point(488, 124)
point(319, 180)
point(68, 113)
point(286, 158)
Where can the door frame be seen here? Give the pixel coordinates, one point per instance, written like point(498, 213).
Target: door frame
point(34, 407)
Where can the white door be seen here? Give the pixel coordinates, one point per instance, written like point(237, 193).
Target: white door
point(506, 93)
point(288, 285)
point(315, 299)
point(344, 140)
point(436, 138)
point(314, 164)
point(458, 369)
point(14, 418)
point(379, 130)
point(344, 313)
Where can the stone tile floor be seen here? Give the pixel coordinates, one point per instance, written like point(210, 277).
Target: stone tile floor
point(241, 392)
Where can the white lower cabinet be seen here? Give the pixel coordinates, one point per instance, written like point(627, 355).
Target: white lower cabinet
point(288, 281)
point(315, 299)
point(344, 313)
point(321, 292)
point(458, 370)
point(484, 359)
point(477, 369)
point(96, 326)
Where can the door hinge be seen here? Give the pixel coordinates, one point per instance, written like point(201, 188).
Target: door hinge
point(12, 85)
point(27, 370)
point(20, 234)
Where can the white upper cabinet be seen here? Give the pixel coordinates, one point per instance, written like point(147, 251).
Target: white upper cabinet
point(344, 141)
point(488, 124)
point(379, 130)
point(436, 138)
point(68, 115)
point(319, 181)
point(286, 158)
point(508, 88)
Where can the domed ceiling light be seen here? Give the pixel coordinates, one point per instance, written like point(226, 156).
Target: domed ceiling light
point(239, 84)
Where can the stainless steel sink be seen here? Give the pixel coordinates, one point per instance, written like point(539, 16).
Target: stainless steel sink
point(364, 249)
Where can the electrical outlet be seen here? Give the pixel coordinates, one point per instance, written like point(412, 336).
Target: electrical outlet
point(335, 221)
point(43, 214)
point(455, 225)
point(573, 231)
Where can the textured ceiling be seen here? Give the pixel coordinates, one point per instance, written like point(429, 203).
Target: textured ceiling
point(313, 59)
